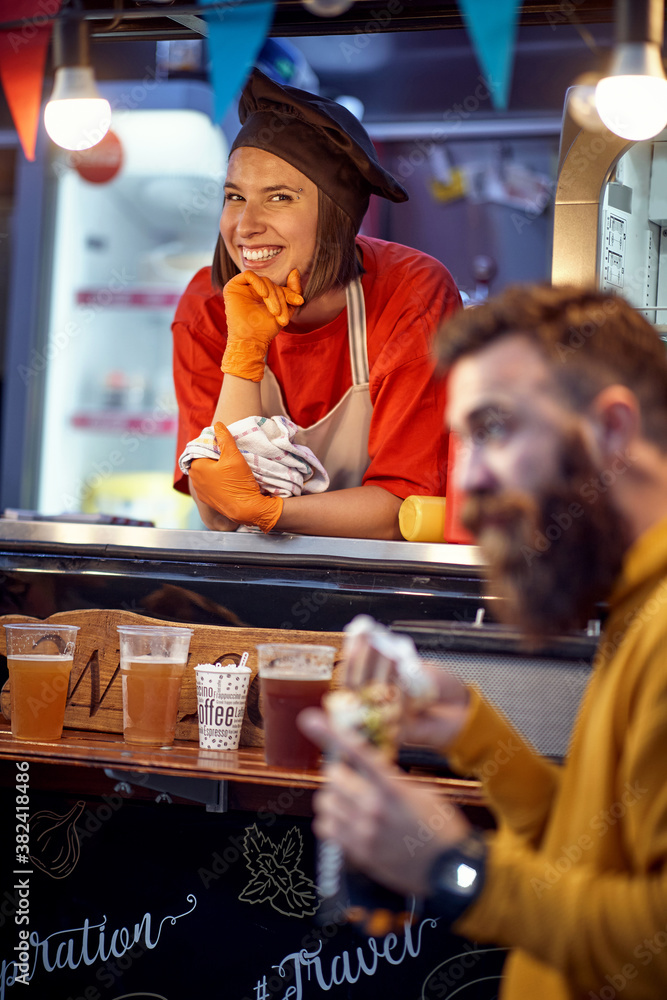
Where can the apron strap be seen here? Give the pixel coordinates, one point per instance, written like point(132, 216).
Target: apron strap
point(356, 332)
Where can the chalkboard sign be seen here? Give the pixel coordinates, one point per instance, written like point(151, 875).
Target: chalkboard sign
point(115, 898)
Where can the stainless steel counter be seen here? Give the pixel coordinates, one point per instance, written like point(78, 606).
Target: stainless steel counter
point(237, 578)
point(247, 547)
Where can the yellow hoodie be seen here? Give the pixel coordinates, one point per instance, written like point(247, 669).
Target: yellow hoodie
point(576, 881)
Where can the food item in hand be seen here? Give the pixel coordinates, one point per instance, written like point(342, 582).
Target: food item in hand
point(384, 680)
point(418, 684)
point(373, 710)
point(373, 650)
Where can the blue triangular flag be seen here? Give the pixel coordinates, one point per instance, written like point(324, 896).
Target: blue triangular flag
point(491, 25)
point(235, 36)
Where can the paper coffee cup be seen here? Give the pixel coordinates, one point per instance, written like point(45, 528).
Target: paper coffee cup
point(221, 697)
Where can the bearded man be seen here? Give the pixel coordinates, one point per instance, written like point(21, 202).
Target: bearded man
point(559, 401)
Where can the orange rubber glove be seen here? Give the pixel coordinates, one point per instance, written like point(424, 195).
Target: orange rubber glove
point(229, 486)
point(256, 311)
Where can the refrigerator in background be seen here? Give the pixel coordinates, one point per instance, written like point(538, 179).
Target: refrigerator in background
point(610, 218)
point(90, 411)
point(633, 217)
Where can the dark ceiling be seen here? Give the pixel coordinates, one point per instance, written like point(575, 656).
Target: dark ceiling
point(130, 19)
point(416, 59)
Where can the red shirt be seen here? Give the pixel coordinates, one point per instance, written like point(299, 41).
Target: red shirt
point(407, 295)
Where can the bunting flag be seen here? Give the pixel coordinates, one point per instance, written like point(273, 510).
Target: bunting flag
point(22, 61)
point(235, 36)
point(491, 25)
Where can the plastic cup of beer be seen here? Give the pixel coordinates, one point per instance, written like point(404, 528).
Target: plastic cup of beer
point(40, 658)
point(292, 677)
point(152, 665)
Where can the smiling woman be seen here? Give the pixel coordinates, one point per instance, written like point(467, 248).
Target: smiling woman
point(334, 229)
point(269, 219)
point(322, 333)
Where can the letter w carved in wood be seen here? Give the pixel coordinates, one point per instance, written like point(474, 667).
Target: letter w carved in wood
point(92, 666)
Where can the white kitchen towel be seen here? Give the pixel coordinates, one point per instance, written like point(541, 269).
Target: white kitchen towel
point(281, 467)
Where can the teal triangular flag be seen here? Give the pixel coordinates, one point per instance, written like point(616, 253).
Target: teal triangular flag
point(491, 25)
point(235, 36)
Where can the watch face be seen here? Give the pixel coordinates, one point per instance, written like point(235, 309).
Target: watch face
point(459, 870)
point(456, 875)
point(465, 876)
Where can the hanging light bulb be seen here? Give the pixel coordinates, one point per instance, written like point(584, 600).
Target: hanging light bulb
point(77, 116)
point(632, 99)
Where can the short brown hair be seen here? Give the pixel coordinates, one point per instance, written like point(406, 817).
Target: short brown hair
point(593, 338)
point(336, 261)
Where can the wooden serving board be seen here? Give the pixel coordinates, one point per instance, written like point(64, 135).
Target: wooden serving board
point(94, 702)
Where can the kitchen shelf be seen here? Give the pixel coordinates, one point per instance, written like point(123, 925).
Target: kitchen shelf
point(119, 420)
point(124, 298)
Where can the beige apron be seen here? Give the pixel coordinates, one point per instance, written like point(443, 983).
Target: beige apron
point(339, 439)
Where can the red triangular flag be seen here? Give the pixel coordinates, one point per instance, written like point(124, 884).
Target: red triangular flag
point(22, 60)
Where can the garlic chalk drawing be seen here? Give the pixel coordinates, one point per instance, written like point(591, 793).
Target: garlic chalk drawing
point(54, 841)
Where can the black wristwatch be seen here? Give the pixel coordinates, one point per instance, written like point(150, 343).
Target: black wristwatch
point(457, 877)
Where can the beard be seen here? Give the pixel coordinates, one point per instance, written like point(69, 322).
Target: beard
point(552, 556)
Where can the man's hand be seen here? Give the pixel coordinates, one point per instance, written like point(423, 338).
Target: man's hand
point(436, 703)
point(229, 486)
point(256, 311)
point(440, 722)
point(386, 826)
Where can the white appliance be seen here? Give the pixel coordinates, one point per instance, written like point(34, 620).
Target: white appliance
point(102, 412)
